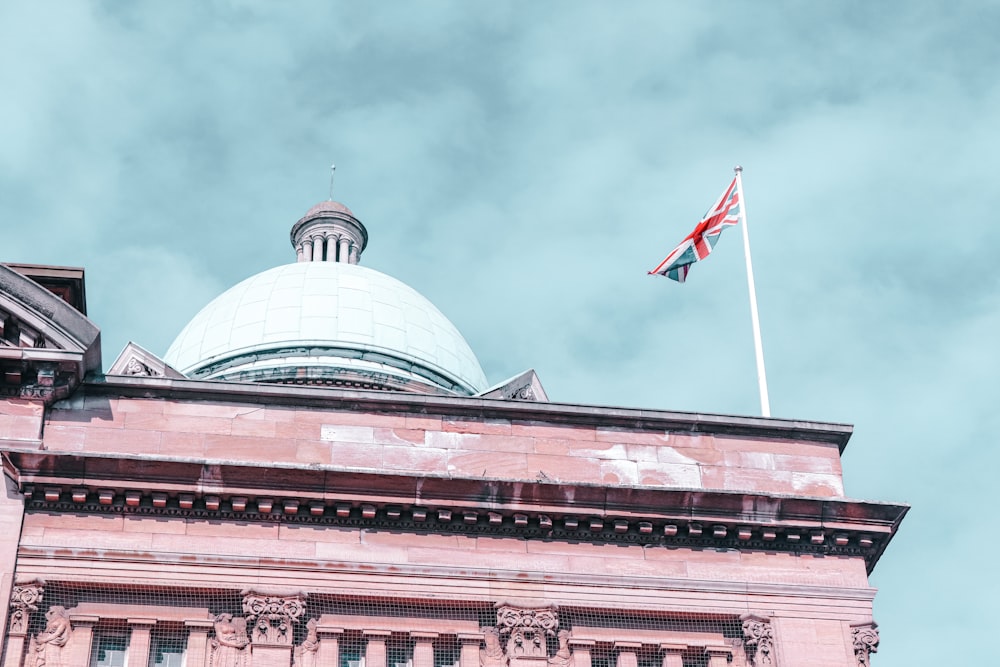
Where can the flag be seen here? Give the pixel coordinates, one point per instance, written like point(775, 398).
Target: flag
point(697, 245)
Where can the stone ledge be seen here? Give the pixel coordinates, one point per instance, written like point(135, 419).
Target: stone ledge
point(421, 504)
point(554, 413)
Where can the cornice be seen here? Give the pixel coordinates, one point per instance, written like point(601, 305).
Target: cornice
point(325, 495)
point(136, 561)
point(489, 408)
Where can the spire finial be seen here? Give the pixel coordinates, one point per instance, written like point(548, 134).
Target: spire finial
point(333, 170)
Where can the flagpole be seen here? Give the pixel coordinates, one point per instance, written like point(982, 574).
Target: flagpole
point(765, 405)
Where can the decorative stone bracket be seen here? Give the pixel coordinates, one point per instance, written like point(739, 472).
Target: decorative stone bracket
point(758, 638)
point(865, 636)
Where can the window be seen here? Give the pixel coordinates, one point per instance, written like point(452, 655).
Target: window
point(109, 651)
point(167, 650)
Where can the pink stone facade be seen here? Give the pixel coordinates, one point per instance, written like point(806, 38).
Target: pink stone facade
point(163, 522)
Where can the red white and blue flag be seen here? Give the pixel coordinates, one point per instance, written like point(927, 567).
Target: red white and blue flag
point(697, 245)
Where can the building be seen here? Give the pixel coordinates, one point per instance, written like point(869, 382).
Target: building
point(317, 473)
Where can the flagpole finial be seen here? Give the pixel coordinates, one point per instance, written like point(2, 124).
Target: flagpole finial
point(333, 170)
point(738, 169)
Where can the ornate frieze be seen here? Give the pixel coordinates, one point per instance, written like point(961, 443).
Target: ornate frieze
point(679, 532)
point(273, 617)
point(24, 599)
point(865, 636)
point(758, 638)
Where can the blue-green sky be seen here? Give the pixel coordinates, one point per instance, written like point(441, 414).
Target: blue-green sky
point(523, 165)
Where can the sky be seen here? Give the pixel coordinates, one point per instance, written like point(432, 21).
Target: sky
point(523, 165)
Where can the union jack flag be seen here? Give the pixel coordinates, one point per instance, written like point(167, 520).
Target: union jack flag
point(697, 245)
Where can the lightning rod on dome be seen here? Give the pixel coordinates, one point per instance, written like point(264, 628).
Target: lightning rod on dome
point(333, 170)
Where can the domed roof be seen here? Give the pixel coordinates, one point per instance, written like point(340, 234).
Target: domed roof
point(316, 321)
point(328, 206)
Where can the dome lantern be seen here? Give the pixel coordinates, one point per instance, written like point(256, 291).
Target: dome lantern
point(329, 232)
point(325, 320)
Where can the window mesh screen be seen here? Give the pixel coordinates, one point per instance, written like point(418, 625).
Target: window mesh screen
point(166, 625)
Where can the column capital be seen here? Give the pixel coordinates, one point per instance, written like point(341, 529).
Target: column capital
point(865, 638)
point(24, 599)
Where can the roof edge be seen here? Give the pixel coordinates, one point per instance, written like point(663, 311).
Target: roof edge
point(562, 413)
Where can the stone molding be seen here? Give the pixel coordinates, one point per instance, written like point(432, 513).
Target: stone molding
point(573, 522)
point(865, 638)
point(459, 406)
point(758, 640)
point(24, 599)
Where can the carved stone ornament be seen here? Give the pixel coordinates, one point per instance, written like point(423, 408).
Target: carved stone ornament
point(136, 367)
point(24, 599)
point(230, 645)
point(47, 646)
point(522, 393)
point(492, 655)
point(563, 656)
point(527, 629)
point(305, 653)
point(273, 617)
point(865, 642)
point(758, 638)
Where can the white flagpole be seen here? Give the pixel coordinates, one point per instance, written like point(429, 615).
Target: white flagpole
point(765, 405)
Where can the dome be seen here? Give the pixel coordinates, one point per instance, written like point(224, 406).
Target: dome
point(327, 323)
point(327, 207)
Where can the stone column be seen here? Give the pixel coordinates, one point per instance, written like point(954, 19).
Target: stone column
point(423, 648)
point(314, 249)
point(626, 654)
point(197, 643)
point(138, 640)
point(342, 255)
point(329, 646)
point(581, 652)
point(673, 655)
point(23, 601)
point(375, 652)
point(77, 651)
point(354, 254)
point(300, 253)
point(718, 656)
point(469, 656)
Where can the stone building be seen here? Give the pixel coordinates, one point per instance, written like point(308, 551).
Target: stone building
point(317, 473)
